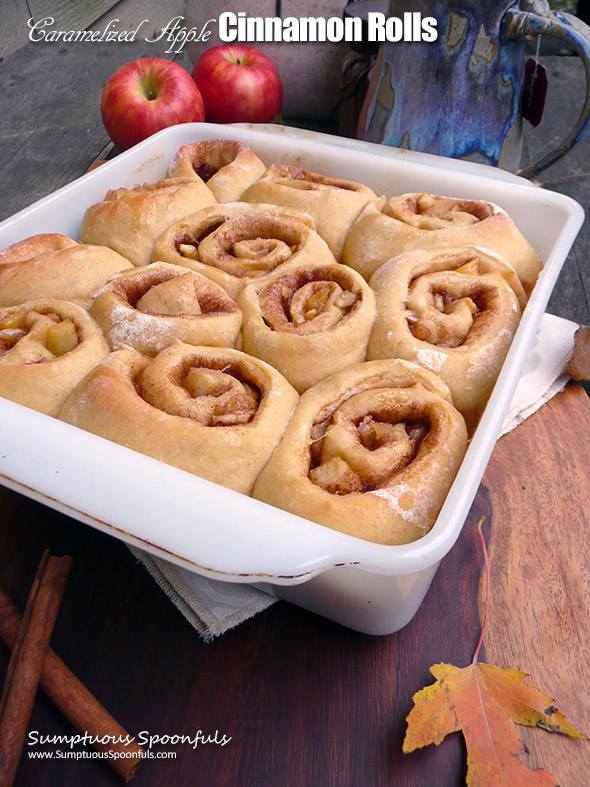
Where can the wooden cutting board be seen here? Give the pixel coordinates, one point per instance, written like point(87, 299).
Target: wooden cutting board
point(538, 482)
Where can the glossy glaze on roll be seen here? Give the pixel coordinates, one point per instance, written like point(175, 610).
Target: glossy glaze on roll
point(54, 266)
point(130, 220)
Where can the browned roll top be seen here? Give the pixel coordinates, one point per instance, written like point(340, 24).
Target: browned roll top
point(227, 167)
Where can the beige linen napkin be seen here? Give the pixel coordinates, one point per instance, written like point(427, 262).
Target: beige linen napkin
point(214, 607)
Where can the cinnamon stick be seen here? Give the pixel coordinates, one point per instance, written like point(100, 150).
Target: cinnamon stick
point(26, 662)
point(76, 702)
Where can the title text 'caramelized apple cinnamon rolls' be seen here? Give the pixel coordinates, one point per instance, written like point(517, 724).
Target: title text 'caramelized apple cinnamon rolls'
point(452, 310)
point(226, 166)
point(54, 266)
point(333, 203)
point(309, 322)
point(46, 348)
point(130, 220)
point(371, 451)
point(148, 307)
point(387, 228)
point(237, 243)
point(214, 412)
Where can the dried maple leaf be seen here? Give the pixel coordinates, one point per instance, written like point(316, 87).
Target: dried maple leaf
point(485, 703)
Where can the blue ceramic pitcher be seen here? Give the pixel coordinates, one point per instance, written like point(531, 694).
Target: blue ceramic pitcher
point(461, 95)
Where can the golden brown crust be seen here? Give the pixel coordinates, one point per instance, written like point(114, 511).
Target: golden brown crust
point(64, 271)
point(214, 412)
point(130, 220)
point(34, 246)
point(147, 308)
point(387, 228)
point(371, 451)
point(46, 348)
point(309, 322)
point(452, 310)
point(333, 203)
point(227, 167)
point(238, 243)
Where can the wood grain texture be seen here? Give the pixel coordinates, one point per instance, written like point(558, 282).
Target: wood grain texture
point(539, 621)
point(50, 126)
point(305, 701)
point(68, 14)
point(13, 26)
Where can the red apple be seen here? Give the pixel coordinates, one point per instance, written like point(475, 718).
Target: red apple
point(146, 96)
point(239, 84)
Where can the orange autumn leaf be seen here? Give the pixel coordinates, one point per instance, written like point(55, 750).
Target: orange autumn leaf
point(485, 703)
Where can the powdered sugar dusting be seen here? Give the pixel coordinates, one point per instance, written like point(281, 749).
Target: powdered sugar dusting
point(431, 359)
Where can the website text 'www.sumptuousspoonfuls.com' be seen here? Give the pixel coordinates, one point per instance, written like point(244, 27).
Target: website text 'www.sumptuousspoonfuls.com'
point(116, 747)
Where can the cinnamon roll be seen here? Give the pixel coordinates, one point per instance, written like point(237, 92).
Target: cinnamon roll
point(148, 307)
point(333, 203)
point(452, 310)
point(130, 220)
point(309, 322)
point(214, 412)
point(46, 348)
point(226, 166)
point(371, 451)
point(237, 243)
point(421, 221)
point(53, 266)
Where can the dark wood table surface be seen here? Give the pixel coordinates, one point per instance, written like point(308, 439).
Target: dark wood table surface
point(305, 701)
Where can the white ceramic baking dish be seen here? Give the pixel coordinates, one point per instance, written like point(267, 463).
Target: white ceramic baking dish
point(222, 534)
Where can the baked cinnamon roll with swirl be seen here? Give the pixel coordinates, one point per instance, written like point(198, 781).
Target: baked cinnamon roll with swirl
point(226, 166)
point(387, 228)
point(452, 310)
point(333, 203)
point(371, 451)
point(130, 220)
point(214, 412)
point(309, 322)
point(237, 243)
point(46, 348)
point(54, 266)
point(148, 307)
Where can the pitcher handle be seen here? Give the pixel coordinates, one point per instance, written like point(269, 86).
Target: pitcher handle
point(518, 23)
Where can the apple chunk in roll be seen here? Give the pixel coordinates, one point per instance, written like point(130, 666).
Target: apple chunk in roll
point(237, 243)
point(148, 307)
point(46, 348)
point(333, 203)
point(226, 166)
point(371, 451)
point(454, 311)
point(214, 412)
point(309, 322)
point(130, 220)
point(54, 266)
point(387, 228)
